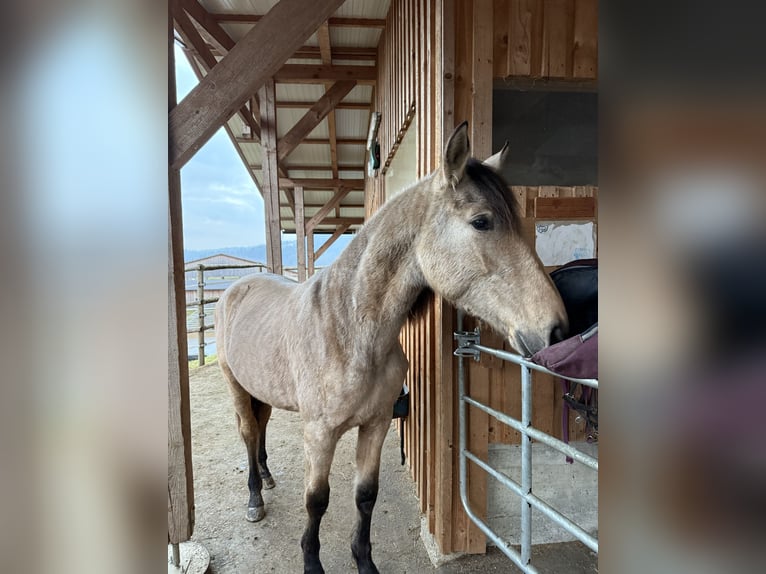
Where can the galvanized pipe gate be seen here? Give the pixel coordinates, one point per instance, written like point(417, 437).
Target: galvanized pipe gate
point(469, 345)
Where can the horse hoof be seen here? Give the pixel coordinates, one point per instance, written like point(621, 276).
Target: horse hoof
point(268, 483)
point(255, 514)
point(367, 568)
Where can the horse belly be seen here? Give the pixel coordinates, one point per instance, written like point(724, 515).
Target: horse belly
point(255, 345)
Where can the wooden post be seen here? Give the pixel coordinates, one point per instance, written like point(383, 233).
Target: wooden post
point(270, 180)
point(180, 484)
point(300, 233)
point(310, 250)
point(444, 122)
point(201, 313)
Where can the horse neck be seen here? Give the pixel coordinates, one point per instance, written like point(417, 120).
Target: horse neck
point(377, 278)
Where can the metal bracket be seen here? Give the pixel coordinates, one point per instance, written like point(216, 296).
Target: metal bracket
point(465, 340)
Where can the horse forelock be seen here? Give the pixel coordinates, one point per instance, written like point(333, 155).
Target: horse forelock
point(495, 192)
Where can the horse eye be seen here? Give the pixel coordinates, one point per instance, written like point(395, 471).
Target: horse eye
point(481, 223)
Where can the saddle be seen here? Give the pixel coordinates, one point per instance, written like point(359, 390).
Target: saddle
point(577, 356)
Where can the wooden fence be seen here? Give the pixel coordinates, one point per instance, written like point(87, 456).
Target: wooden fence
point(204, 307)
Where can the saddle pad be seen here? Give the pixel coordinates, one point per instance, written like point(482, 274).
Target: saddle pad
point(573, 357)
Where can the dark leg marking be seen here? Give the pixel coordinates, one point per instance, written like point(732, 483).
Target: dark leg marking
point(255, 509)
point(262, 413)
point(316, 506)
point(366, 495)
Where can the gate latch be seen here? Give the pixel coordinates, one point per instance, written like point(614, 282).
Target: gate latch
point(465, 340)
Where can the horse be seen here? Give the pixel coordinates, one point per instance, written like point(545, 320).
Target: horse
point(329, 347)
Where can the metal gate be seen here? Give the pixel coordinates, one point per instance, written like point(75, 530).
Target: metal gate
point(469, 345)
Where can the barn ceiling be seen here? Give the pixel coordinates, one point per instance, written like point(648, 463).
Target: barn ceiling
point(323, 97)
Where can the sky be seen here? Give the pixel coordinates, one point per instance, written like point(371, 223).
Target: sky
point(221, 204)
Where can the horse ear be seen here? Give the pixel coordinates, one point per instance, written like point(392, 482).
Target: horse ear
point(498, 160)
point(456, 154)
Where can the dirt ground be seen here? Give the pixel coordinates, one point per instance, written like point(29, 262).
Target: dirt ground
point(273, 545)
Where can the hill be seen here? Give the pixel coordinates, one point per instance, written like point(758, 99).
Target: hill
point(289, 251)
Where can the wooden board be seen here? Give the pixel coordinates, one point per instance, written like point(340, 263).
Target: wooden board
point(254, 59)
point(565, 207)
point(585, 56)
point(180, 481)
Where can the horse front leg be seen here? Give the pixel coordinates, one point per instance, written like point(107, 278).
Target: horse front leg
point(319, 444)
point(368, 447)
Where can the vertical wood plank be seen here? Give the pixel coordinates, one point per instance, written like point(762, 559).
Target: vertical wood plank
point(501, 35)
point(300, 233)
point(478, 427)
point(430, 403)
point(444, 121)
point(585, 57)
point(270, 179)
point(536, 39)
point(430, 118)
point(180, 483)
point(481, 73)
point(310, 251)
point(558, 25)
point(519, 41)
point(463, 61)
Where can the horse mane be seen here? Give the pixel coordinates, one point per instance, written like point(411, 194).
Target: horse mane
point(495, 192)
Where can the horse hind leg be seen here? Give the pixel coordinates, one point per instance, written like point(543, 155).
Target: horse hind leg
point(262, 413)
point(368, 447)
point(249, 430)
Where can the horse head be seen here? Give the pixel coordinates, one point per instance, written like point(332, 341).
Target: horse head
point(471, 251)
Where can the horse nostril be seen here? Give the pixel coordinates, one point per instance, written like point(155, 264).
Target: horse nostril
point(557, 335)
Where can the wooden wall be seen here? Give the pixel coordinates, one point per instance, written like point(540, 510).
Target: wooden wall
point(437, 61)
point(545, 39)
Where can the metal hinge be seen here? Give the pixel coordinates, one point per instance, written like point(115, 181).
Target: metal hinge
point(464, 341)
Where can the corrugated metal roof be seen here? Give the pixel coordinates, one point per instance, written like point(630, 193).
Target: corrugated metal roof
point(349, 123)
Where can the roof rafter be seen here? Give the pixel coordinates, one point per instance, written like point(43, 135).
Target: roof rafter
point(337, 22)
point(240, 74)
point(309, 74)
point(192, 36)
point(321, 183)
point(317, 218)
point(313, 117)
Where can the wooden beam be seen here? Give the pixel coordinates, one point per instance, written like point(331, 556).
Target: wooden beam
point(318, 141)
point(208, 22)
point(254, 59)
point(317, 205)
point(346, 184)
point(300, 232)
point(270, 179)
point(311, 167)
point(354, 53)
point(310, 251)
point(362, 106)
point(191, 36)
point(323, 34)
point(335, 221)
point(445, 447)
point(317, 218)
point(311, 74)
point(326, 245)
point(313, 117)
point(180, 479)
point(334, 22)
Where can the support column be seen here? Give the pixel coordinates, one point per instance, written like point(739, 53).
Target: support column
point(310, 249)
point(180, 484)
point(270, 180)
point(300, 233)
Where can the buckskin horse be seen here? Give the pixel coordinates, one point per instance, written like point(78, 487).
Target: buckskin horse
point(329, 347)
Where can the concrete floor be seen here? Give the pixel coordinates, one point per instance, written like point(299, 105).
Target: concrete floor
point(272, 545)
